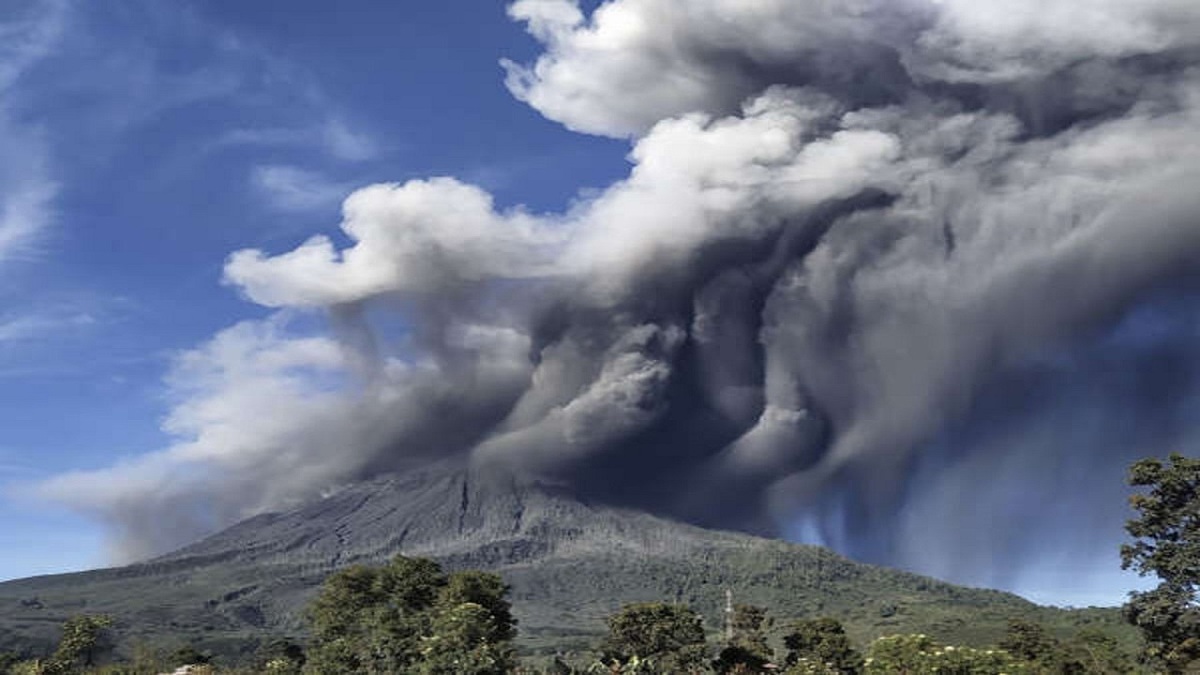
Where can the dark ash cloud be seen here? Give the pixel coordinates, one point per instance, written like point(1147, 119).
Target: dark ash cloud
point(868, 265)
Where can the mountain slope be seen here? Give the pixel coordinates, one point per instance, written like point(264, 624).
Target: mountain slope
point(569, 563)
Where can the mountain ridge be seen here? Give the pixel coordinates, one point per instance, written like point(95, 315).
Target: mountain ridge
point(569, 562)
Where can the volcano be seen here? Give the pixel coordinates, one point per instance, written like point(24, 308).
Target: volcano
point(569, 563)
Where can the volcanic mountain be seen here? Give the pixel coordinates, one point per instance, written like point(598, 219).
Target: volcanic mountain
point(570, 563)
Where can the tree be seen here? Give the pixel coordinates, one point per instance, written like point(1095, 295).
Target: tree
point(78, 645)
point(747, 651)
point(279, 656)
point(671, 636)
point(486, 590)
point(1092, 651)
point(187, 655)
point(394, 618)
point(1030, 642)
point(1166, 544)
point(821, 641)
point(738, 659)
point(464, 642)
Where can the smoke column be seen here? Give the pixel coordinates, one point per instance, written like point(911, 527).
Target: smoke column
point(915, 279)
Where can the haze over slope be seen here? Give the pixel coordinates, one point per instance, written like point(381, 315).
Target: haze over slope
point(570, 564)
point(914, 279)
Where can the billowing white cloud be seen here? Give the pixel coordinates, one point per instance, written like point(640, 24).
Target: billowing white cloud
point(264, 417)
point(249, 402)
point(635, 62)
point(419, 237)
point(843, 228)
point(1015, 39)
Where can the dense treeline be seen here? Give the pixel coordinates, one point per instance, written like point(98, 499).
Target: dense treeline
point(410, 616)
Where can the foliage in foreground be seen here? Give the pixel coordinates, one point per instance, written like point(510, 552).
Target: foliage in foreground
point(921, 654)
point(1166, 544)
point(410, 617)
point(77, 649)
point(822, 641)
point(644, 638)
point(747, 649)
point(671, 637)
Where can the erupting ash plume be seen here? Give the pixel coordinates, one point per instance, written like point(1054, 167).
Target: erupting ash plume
point(914, 278)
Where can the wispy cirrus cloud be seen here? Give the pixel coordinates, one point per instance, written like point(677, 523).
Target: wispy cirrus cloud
point(17, 470)
point(25, 202)
point(34, 325)
point(29, 37)
point(291, 188)
point(346, 143)
point(48, 334)
point(26, 186)
point(335, 137)
point(144, 68)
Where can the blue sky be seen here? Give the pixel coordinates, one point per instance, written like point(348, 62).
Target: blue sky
point(152, 139)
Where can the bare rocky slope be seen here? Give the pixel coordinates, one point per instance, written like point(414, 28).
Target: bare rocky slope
point(569, 564)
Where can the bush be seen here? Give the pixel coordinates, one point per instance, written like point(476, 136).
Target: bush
point(671, 636)
point(407, 617)
point(821, 641)
point(919, 654)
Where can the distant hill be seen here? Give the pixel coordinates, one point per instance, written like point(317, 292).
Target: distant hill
point(569, 563)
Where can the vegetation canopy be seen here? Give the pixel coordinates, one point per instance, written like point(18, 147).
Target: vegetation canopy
point(1166, 544)
point(409, 616)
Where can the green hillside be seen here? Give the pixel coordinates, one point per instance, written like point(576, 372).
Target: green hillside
point(569, 563)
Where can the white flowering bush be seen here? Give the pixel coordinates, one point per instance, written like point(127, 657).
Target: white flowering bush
point(921, 655)
point(807, 666)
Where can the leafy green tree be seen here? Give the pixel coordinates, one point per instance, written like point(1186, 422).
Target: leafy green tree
point(1029, 642)
point(387, 619)
point(344, 621)
point(279, 656)
point(671, 636)
point(747, 651)
point(78, 646)
point(821, 641)
point(187, 655)
point(1092, 651)
point(464, 642)
point(370, 619)
point(486, 590)
point(736, 659)
point(749, 624)
point(1166, 544)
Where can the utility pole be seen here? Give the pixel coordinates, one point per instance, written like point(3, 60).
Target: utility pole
point(728, 616)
